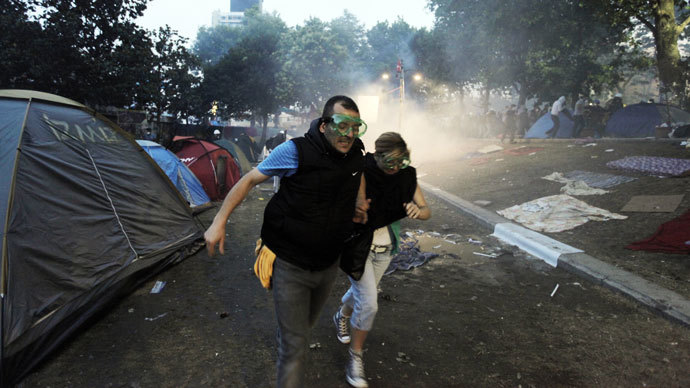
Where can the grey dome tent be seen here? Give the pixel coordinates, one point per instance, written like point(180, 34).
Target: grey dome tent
point(86, 216)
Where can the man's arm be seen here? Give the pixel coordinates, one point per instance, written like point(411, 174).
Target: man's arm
point(215, 234)
point(362, 204)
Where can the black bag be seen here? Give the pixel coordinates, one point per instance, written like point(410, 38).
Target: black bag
point(356, 251)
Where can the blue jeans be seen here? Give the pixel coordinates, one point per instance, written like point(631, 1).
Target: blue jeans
point(362, 295)
point(299, 296)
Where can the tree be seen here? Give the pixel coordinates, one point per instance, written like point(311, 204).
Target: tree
point(171, 81)
point(667, 26)
point(246, 79)
point(537, 47)
point(315, 63)
point(92, 52)
point(213, 42)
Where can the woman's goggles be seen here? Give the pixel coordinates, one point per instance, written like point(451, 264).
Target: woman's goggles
point(344, 124)
point(391, 163)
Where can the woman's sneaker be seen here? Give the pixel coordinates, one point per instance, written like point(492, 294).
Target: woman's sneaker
point(355, 371)
point(342, 331)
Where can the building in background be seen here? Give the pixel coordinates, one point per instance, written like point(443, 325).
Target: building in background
point(235, 17)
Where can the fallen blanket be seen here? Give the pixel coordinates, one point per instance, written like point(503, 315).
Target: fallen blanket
point(671, 237)
point(573, 187)
point(598, 180)
point(652, 165)
point(524, 150)
point(556, 213)
point(409, 257)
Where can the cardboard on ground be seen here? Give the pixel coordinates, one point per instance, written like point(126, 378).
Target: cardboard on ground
point(653, 203)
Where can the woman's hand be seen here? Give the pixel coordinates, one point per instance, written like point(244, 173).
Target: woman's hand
point(413, 211)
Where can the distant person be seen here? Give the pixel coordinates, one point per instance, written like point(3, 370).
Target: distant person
point(523, 121)
point(306, 223)
point(149, 135)
point(578, 116)
point(509, 123)
point(391, 185)
point(556, 109)
point(615, 103)
point(216, 134)
point(595, 118)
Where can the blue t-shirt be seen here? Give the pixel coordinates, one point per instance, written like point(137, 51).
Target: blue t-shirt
point(282, 161)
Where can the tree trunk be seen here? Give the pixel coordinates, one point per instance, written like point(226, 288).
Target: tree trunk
point(667, 53)
point(264, 131)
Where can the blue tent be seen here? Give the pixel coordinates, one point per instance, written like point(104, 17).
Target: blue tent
point(180, 175)
point(539, 128)
point(640, 120)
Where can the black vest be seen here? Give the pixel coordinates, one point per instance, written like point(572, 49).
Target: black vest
point(310, 217)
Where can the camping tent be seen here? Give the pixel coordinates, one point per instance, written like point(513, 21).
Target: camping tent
point(213, 165)
point(539, 128)
point(180, 175)
point(236, 153)
point(640, 120)
point(86, 217)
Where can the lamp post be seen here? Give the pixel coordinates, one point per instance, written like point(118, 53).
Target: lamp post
point(400, 75)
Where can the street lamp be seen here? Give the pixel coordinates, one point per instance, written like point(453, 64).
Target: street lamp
point(385, 76)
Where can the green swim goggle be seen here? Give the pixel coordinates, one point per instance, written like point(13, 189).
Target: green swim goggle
point(344, 124)
point(391, 163)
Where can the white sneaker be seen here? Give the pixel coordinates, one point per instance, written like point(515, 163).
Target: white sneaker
point(342, 331)
point(355, 371)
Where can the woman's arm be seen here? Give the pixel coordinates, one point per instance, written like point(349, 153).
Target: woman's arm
point(418, 208)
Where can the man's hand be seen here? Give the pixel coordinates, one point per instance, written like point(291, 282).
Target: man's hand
point(361, 209)
point(215, 234)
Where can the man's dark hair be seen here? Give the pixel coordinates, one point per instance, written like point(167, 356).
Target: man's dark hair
point(345, 101)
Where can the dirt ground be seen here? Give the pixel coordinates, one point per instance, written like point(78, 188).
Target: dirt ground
point(460, 320)
point(517, 179)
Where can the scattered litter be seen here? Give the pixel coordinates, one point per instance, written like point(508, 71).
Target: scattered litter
point(499, 160)
point(435, 234)
point(261, 198)
point(489, 149)
point(157, 287)
point(130, 310)
point(554, 290)
point(223, 315)
point(531, 154)
point(157, 317)
point(579, 285)
point(437, 246)
point(450, 241)
point(570, 145)
point(402, 357)
point(493, 255)
point(609, 150)
point(482, 202)
point(590, 145)
point(315, 345)
point(594, 156)
point(670, 237)
point(470, 240)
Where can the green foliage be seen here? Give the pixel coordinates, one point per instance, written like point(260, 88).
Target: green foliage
point(540, 48)
point(171, 84)
point(213, 42)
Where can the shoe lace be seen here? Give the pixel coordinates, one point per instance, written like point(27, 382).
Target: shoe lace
point(342, 324)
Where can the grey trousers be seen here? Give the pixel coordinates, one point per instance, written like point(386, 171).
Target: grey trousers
point(299, 296)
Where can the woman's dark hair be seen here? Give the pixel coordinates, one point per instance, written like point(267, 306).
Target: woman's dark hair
point(390, 143)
